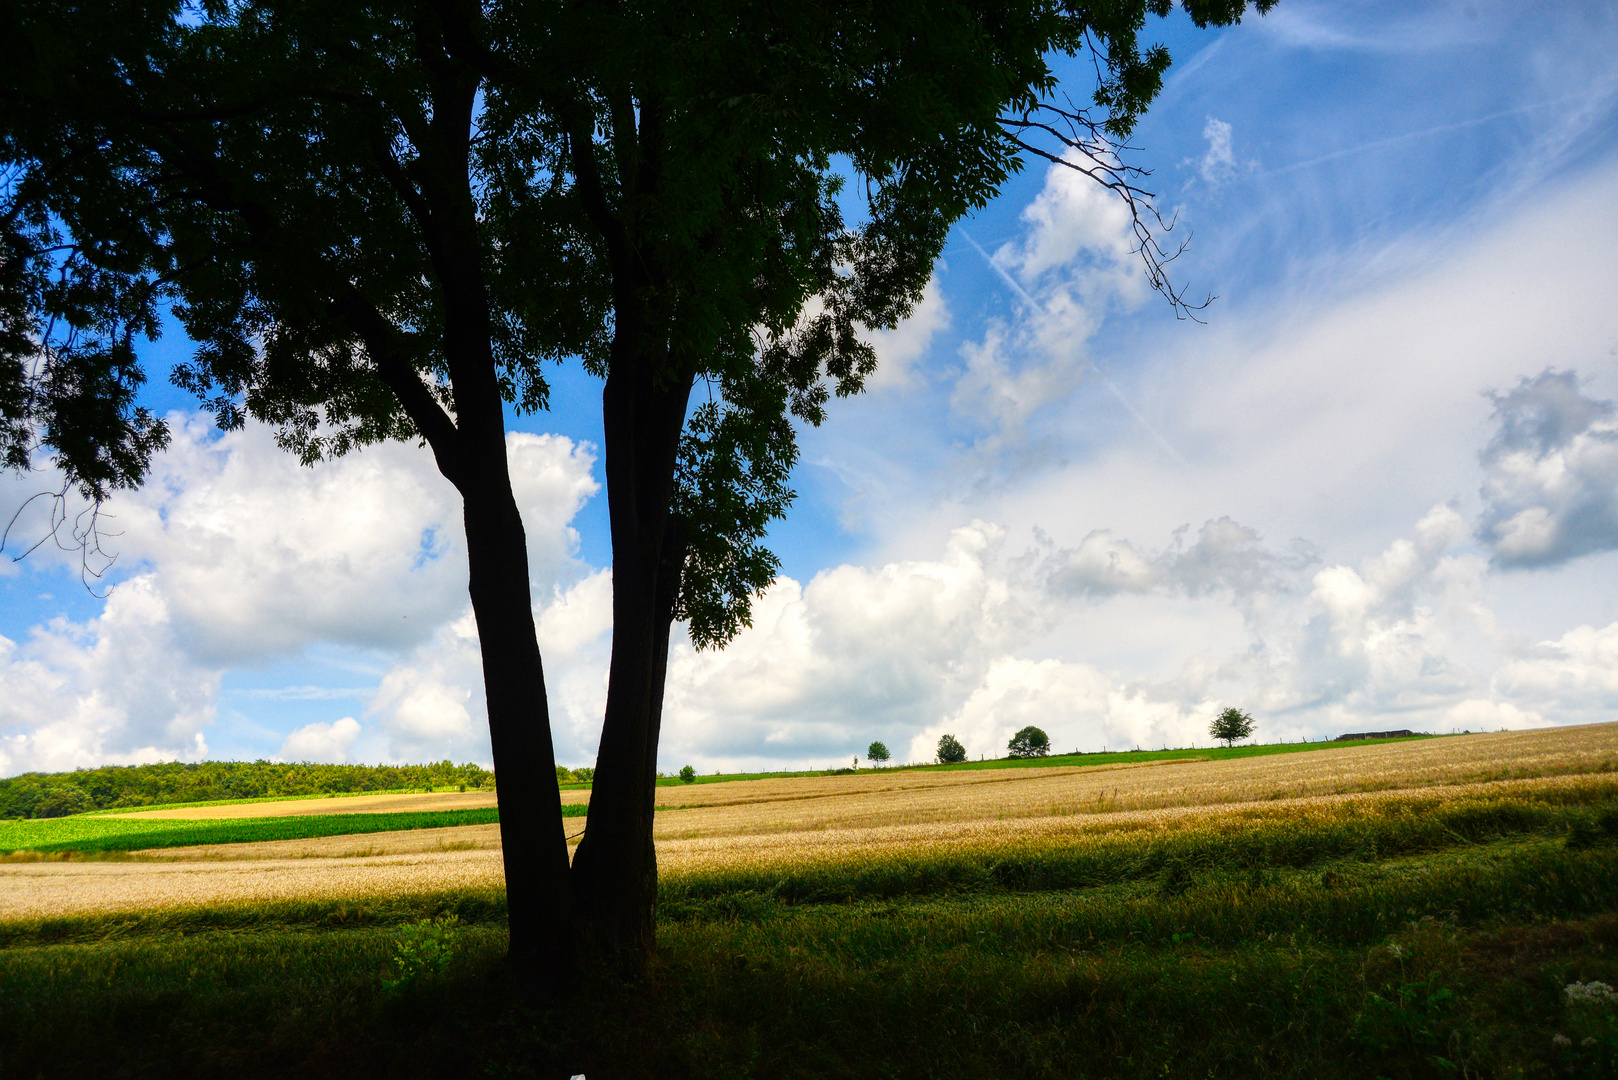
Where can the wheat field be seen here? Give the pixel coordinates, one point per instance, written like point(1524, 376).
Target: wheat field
point(770, 823)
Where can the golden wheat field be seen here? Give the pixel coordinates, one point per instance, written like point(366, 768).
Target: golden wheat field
point(804, 820)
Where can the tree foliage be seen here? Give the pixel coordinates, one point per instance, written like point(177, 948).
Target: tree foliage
point(877, 752)
point(276, 172)
point(950, 750)
point(1230, 725)
point(1030, 742)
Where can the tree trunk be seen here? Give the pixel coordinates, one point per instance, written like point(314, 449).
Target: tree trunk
point(615, 869)
point(539, 895)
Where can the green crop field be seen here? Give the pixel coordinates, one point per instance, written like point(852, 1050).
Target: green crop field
point(1463, 937)
point(90, 833)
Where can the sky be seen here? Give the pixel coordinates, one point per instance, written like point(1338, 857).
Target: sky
point(1375, 488)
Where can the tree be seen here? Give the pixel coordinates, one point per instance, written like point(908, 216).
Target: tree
point(877, 752)
point(380, 221)
point(1230, 725)
point(688, 775)
point(950, 750)
point(1030, 742)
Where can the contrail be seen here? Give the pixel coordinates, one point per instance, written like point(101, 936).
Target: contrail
point(1117, 393)
point(1394, 140)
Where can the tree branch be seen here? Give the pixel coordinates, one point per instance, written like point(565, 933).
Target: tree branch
point(1102, 161)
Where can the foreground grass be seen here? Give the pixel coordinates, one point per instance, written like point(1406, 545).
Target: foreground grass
point(1408, 941)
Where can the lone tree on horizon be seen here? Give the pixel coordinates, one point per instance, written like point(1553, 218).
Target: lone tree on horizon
point(385, 221)
point(1030, 742)
point(1230, 725)
point(877, 752)
point(950, 750)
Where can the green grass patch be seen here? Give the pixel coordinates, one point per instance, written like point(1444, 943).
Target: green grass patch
point(91, 834)
point(1115, 757)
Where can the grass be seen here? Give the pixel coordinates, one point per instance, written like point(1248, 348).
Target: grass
point(1115, 757)
point(1396, 940)
point(88, 834)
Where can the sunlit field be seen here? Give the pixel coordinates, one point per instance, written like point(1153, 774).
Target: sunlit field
point(1408, 909)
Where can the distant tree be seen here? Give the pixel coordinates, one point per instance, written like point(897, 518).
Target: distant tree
point(688, 774)
point(877, 752)
point(1029, 742)
point(950, 750)
point(1230, 725)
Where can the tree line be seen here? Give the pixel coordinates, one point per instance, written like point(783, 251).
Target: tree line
point(45, 795)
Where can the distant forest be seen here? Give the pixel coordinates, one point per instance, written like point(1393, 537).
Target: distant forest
point(44, 795)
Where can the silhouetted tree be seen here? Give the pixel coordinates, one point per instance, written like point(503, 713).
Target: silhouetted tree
point(380, 220)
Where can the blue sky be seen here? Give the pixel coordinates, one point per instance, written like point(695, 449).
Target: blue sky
point(1378, 488)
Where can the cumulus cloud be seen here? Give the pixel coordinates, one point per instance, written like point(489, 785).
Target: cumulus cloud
point(324, 743)
point(117, 688)
point(1550, 488)
point(430, 703)
point(1574, 677)
point(242, 556)
point(858, 653)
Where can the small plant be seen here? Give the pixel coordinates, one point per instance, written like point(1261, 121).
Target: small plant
point(424, 949)
point(1230, 725)
point(877, 753)
point(688, 775)
point(1030, 742)
point(950, 750)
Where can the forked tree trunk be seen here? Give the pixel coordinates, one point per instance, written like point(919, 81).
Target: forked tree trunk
point(533, 845)
point(615, 869)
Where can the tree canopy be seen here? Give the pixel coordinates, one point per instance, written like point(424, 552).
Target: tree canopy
point(1230, 725)
point(1028, 743)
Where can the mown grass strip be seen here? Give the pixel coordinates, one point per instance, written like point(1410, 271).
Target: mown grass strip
point(99, 834)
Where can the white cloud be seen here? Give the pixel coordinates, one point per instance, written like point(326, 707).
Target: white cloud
point(1550, 489)
point(324, 743)
point(245, 556)
point(899, 350)
point(1072, 265)
point(431, 704)
point(114, 689)
point(1573, 678)
point(1218, 166)
point(857, 654)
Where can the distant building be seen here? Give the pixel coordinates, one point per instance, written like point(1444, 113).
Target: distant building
point(1400, 734)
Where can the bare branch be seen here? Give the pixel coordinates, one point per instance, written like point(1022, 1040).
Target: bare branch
point(1086, 149)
